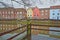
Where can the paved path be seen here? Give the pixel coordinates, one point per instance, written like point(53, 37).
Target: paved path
point(5, 37)
point(38, 37)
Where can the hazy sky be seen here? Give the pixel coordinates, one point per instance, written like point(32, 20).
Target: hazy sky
point(38, 3)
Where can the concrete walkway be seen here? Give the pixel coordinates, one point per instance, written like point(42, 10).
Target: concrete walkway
point(39, 37)
point(5, 37)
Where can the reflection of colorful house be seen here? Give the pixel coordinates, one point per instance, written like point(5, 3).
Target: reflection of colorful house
point(44, 13)
point(36, 13)
point(29, 13)
point(55, 12)
point(36, 32)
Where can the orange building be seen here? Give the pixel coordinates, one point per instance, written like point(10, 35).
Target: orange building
point(36, 13)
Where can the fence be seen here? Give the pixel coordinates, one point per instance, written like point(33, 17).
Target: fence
point(34, 27)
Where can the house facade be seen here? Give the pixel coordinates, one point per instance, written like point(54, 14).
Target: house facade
point(29, 13)
point(7, 13)
point(55, 15)
point(20, 13)
point(55, 12)
point(36, 13)
point(44, 13)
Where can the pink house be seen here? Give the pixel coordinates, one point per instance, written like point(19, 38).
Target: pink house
point(36, 13)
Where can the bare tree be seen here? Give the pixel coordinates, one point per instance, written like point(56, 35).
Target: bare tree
point(6, 5)
point(24, 2)
point(40, 2)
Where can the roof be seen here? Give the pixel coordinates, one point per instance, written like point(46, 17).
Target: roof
point(44, 9)
point(55, 7)
point(20, 9)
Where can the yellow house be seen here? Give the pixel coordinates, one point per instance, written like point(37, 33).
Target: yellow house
point(29, 13)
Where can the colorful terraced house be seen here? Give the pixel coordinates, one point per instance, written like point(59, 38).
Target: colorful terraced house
point(55, 12)
point(29, 13)
point(36, 13)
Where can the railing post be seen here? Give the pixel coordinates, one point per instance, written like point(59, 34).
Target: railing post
point(28, 30)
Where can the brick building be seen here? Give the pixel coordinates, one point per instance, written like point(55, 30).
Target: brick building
point(20, 13)
point(44, 13)
point(7, 13)
point(36, 13)
point(11, 13)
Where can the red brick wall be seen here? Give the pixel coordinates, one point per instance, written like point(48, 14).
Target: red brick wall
point(44, 13)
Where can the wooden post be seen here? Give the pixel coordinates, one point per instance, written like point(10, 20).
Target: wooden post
point(28, 30)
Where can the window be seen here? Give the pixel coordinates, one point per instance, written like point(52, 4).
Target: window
point(34, 15)
point(3, 15)
point(46, 10)
point(20, 12)
point(37, 15)
point(28, 15)
point(6, 28)
point(3, 12)
point(8, 12)
point(42, 14)
point(53, 13)
point(11, 11)
point(21, 29)
point(58, 14)
point(8, 25)
point(42, 11)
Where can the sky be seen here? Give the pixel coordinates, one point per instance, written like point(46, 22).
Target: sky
point(38, 3)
